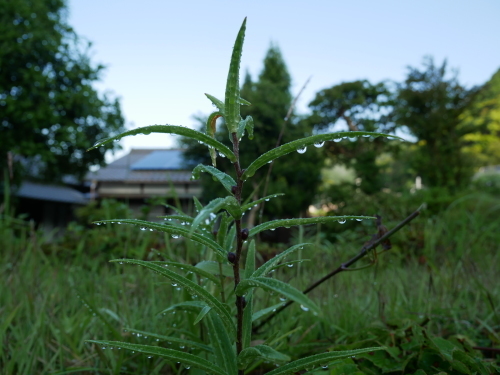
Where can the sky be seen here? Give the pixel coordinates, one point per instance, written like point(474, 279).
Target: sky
point(161, 56)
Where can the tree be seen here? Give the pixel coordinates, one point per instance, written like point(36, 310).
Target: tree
point(358, 106)
point(49, 111)
point(430, 104)
point(483, 115)
point(270, 100)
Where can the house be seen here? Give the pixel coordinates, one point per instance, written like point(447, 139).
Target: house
point(145, 174)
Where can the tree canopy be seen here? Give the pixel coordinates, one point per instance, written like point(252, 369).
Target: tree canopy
point(49, 111)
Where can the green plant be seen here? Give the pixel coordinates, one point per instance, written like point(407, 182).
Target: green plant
point(218, 226)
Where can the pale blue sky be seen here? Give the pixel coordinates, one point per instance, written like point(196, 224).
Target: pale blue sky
point(162, 56)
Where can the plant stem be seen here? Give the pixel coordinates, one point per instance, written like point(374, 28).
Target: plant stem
point(239, 246)
point(345, 266)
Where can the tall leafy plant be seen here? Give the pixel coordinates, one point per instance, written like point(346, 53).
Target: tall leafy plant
point(219, 227)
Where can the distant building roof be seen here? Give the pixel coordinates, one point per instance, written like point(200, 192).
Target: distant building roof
point(52, 193)
point(145, 166)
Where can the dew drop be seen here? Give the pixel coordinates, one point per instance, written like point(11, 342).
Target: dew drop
point(359, 219)
point(143, 228)
point(304, 308)
point(282, 299)
point(176, 235)
point(302, 149)
point(174, 284)
point(319, 144)
point(342, 221)
point(150, 356)
point(289, 265)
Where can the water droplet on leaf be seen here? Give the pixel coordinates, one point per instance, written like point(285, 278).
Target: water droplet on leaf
point(302, 149)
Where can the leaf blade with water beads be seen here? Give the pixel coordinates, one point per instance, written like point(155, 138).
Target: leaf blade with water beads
point(191, 306)
point(174, 355)
point(211, 129)
point(173, 129)
point(263, 352)
point(232, 97)
point(248, 311)
point(300, 143)
point(226, 180)
point(216, 102)
point(304, 221)
point(271, 263)
point(173, 230)
point(260, 200)
point(225, 355)
point(204, 311)
point(279, 287)
point(230, 204)
point(213, 268)
point(191, 286)
point(259, 314)
point(318, 360)
point(190, 268)
point(184, 342)
point(246, 124)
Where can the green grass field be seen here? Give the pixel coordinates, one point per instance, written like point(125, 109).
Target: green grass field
point(443, 271)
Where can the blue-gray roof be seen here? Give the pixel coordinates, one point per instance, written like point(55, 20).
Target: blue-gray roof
point(52, 193)
point(160, 160)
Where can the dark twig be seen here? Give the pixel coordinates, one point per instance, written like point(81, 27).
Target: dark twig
point(370, 245)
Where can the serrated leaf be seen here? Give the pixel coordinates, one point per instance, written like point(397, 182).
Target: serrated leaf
point(301, 143)
point(262, 352)
point(259, 314)
point(230, 204)
point(172, 129)
point(232, 97)
point(213, 268)
point(202, 314)
point(277, 286)
point(317, 360)
point(218, 103)
point(256, 202)
point(174, 355)
point(305, 221)
point(171, 229)
point(271, 263)
point(190, 268)
point(225, 352)
point(191, 287)
point(226, 180)
point(184, 342)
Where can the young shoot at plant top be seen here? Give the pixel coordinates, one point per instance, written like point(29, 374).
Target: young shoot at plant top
point(228, 319)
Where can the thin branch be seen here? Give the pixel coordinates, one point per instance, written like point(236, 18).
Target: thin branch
point(345, 266)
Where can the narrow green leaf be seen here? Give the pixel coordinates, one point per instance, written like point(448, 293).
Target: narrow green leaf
point(277, 286)
point(225, 352)
point(232, 97)
point(261, 313)
point(211, 129)
point(271, 263)
point(197, 204)
point(190, 286)
point(247, 319)
point(202, 314)
point(318, 360)
point(191, 306)
point(229, 240)
point(189, 268)
point(229, 203)
point(301, 143)
point(262, 352)
point(213, 268)
point(174, 355)
point(248, 206)
point(218, 103)
point(182, 218)
point(222, 231)
point(184, 342)
point(173, 230)
point(172, 129)
point(250, 261)
point(244, 102)
point(226, 180)
point(305, 221)
point(246, 124)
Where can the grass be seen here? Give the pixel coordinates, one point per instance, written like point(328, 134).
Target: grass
point(443, 268)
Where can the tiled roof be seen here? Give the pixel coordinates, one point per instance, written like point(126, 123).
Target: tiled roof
point(143, 166)
point(52, 193)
